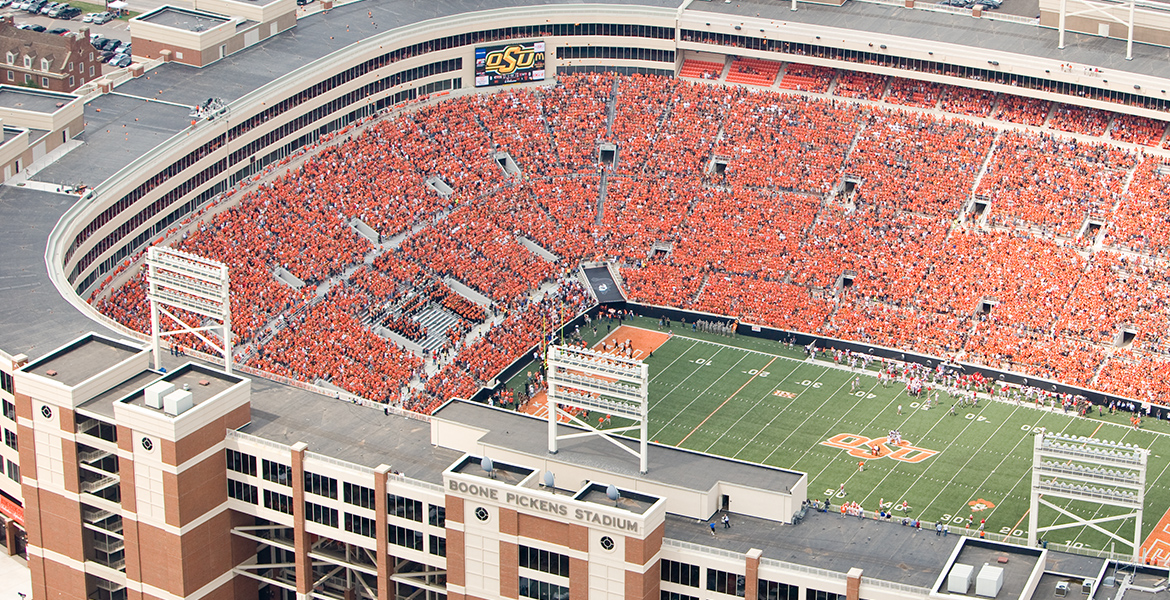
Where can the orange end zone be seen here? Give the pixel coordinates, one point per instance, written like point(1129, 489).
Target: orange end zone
point(643, 341)
point(1156, 548)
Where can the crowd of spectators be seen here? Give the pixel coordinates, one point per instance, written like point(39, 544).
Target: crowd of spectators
point(1137, 130)
point(722, 199)
point(1079, 119)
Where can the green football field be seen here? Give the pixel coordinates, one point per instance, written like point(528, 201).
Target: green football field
point(759, 401)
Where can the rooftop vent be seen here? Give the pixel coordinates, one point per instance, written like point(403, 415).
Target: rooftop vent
point(51, 373)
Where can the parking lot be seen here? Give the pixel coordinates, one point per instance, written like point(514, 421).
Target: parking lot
point(115, 29)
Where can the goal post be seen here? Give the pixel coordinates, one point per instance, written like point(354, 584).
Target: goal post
point(596, 381)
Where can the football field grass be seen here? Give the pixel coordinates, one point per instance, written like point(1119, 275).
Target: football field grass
point(760, 401)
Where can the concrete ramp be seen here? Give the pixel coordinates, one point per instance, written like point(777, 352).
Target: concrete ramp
point(537, 249)
point(440, 187)
point(365, 230)
point(288, 279)
point(467, 292)
point(603, 284)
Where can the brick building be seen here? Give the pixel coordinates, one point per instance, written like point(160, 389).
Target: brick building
point(60, 63)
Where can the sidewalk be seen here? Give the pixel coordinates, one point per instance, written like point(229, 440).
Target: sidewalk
point(17, 581)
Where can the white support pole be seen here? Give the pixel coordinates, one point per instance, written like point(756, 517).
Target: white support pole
point(1129, 37)
point(550, 406)
point(645, 411)
point(1063, 10)
point(793, 5)
point(1033, 498)
point(154, 337)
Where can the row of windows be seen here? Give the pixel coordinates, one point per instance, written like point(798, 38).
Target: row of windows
point(467, 39)
point(680, 573)
point(870, 58)
point(725, 583)
point(407, 508)
point(6, 383)
point(242, 491)
point(438, 545)
point(278, 502)
point(543, 560)
point(811, 594)
point(358, 495)
point(542, 590)
point(13, 471)
point(407, 538)
point(665, 595)
point(615, 52)
point(320, 485)
point(361, 525)
point(321, 514)
point(9, 410)
point(771, 590)
point(241, 463)
point(10, 439)
point(276, 472)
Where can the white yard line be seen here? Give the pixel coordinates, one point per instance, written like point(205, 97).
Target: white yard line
point(696, 398)
point(758, 402)
point(684, 380)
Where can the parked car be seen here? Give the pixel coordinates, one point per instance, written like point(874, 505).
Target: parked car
point(58, 31)
point(38, 28)
point(70, 12)
point(4, 3)
point(124, 61)
point(103, 17)
point(36, 6)
point(48, 7)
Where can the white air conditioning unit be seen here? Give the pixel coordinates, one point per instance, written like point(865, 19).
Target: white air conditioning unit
point(156, 391)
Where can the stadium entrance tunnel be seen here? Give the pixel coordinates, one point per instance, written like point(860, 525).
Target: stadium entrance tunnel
point(845, 281)
point(719, 165)
point(607, 154)
point(985, 306)
point(1125, 336)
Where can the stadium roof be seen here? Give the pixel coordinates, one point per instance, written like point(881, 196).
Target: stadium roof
point(964, 30)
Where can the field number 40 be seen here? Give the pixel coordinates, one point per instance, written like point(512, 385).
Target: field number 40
point(814, 384)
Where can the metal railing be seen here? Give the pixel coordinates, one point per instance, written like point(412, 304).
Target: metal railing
point(341, 464)
point(259, 441)
point(690, 547)
point(805, 569)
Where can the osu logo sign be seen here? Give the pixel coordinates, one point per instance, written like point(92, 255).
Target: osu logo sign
point(860, 447)
point(510, 59)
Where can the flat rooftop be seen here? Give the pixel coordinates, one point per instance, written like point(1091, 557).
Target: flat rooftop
point(81, 360)
point(182, 18)
point(670, 465)
point(204, 384)
point(40, 101)
point(883, 550)
point(349, 432)
point(102, 405)
point(1018, 564)
point(627, 500)
point(503, 472)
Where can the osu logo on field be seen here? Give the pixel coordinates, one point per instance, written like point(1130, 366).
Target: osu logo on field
point(862, 447)
point(510, 59)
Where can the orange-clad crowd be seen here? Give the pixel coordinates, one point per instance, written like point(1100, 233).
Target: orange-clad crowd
point(802, 213)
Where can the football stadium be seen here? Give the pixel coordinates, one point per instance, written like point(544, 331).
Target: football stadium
point(677, 299)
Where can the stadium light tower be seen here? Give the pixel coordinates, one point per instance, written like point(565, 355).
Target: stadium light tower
point(591, 380)
point(178, 280)
point(1090, 470)
point(1103, 10)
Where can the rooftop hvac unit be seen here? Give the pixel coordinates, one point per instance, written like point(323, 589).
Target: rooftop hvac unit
point(1087, 586)
point(177, 403)
point(154, 393)
point(1061, 589)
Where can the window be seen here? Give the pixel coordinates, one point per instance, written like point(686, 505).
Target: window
point(665, 595)
point(70, 66)
point(28, 62)
point(770, 590)
point(321, 485)
point(438, 516)
point(44, 82)
point(27, 78)
point(542, 590)
point(9, 410)
point(71, 81)
point(242, 491)
point(545, 561)
point(10, 439)
point(44, 64)
point(278, 502)
point(241, 463)
point(11, 58)
point(360, 525)
point(407, 538)
point(91, 70)
point(358, 495)
point(404, 507)
point(438, 546)
point(725, 583)
point(5, 378)
point(276, 472)
point(321, 514)
point(811, 594)
point(680, 573)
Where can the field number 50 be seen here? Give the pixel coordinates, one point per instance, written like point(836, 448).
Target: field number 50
point(815, 384)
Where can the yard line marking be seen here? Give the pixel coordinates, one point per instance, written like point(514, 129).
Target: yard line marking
point(1027, 474)
point(838, 422)
point(810, 415)
point(777, 415)
point(745, 384)
point(1003, 460)
point(754, 406)
point(1022, 517)
point(667, 367)
point(696, 398)
point(684, 380)
point(973, 454)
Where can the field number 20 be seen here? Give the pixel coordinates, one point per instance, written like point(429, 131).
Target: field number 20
point(814, 384)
